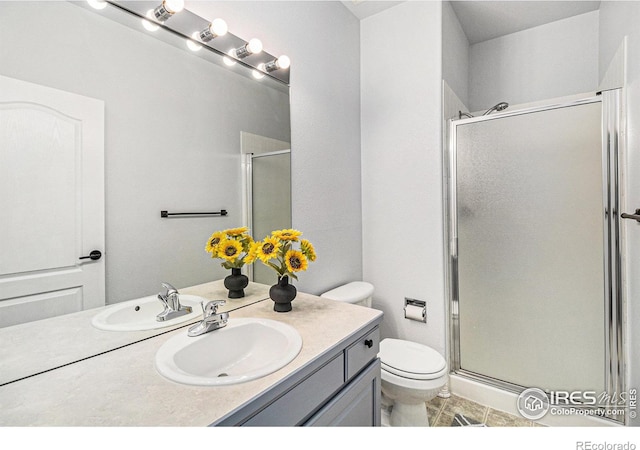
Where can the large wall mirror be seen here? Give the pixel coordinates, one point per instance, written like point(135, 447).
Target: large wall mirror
point(173, 127)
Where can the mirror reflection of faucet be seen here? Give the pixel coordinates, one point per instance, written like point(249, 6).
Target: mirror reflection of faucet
point(211, 320)
point(170, 298)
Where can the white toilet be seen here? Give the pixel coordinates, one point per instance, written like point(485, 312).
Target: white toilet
point(412, 373)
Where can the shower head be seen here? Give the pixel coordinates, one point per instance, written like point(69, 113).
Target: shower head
point(499, 107)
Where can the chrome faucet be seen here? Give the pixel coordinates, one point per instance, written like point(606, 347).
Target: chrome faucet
point(170, 298)
point(211, 320)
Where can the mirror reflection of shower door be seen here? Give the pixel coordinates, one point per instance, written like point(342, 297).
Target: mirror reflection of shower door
point(270, 201)
point(530, 250)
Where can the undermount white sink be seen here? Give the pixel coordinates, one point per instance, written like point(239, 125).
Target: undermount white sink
point(140, 314)
point(245, 349)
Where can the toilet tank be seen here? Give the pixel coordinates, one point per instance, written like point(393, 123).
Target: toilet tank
point(356, 292)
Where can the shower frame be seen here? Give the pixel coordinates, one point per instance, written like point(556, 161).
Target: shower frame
point(613, 295)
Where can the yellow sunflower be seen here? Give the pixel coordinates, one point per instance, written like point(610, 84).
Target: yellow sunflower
point(236, 231)
point(287, 235)
point(308, 250)
point(214, 241)
point(268, 249)
point(252, 254)
point(296, 261)
point(229, 249)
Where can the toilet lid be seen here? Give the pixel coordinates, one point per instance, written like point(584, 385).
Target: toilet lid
point(351, 292)
point(410, 359)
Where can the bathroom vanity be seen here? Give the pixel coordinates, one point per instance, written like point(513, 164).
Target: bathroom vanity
point(334, 380)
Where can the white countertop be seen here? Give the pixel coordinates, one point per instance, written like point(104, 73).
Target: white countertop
point(35, 347)
point(123, 388)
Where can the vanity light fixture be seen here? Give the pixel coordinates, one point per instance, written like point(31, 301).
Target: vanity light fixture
point(167, 9)
point(216, 28)
point(282, 62)
point(254, 46)
point(199, 33)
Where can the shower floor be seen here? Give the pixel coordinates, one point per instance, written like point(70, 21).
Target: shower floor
point(441, 412)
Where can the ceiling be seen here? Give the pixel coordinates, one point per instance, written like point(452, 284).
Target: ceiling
point(365, 8)
point(483, 20)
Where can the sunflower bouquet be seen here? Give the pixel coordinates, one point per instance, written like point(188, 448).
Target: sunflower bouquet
point(278, 252)
point(233, 246)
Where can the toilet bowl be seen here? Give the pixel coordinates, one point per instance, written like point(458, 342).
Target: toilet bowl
point(412, 373)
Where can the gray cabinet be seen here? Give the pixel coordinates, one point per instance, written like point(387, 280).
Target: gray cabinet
point(340, 388)
point(357, 405)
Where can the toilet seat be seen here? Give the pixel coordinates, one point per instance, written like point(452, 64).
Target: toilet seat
point(411, 360)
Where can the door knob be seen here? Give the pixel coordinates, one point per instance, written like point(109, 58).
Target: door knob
point(635, 216)
point(94, 255)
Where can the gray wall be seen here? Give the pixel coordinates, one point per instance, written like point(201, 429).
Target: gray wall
point(322, 40)
point(402, 167)
point(617, 20)
point(552, 60)
point(172, 135)
point(455, 53)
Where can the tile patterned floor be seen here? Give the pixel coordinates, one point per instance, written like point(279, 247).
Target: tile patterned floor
point(442, 410)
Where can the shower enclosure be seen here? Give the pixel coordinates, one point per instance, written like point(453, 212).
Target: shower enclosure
point(268, 200)
point(534, 274)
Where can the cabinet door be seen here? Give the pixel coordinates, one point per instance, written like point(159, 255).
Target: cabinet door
point(357, 405)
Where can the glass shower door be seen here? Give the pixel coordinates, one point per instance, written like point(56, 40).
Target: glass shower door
point(531, 274)
point(270, 201)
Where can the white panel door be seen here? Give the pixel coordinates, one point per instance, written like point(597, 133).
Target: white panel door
point(51, 202)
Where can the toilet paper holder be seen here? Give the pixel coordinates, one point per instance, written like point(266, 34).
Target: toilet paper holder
point(415, 306)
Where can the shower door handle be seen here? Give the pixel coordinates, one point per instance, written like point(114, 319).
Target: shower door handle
point(635, 216)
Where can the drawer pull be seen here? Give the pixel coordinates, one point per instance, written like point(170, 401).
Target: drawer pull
point(368, 343)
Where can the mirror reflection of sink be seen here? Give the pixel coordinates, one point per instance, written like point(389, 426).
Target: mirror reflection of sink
point(246, 349)
point(140, 314)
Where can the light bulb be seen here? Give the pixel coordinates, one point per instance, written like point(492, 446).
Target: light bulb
point(254, 46)
point(191, 44)
point(219, 27)
point(167, 9)
point(216, 28)
point(229, 61)
point(257, 74)
point(97, 4)
point(283, 62)
point(250, 48)
point(148, 24)
point(173, 6)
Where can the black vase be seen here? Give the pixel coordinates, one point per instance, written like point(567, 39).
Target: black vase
point(282, 294)
point(236, 282)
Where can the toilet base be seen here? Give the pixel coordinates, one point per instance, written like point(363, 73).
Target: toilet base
point(408, 415)
point(399, 414)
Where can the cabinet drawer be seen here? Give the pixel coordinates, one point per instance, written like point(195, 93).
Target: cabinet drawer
point(304, 398)
point(363, 351)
